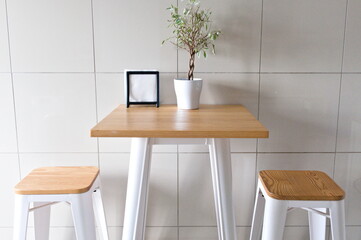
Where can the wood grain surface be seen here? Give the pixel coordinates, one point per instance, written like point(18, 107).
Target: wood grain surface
point(209, 121)
point(57, 180)
point(300, 185)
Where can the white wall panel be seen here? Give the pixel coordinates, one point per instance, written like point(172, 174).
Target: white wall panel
point(7, 116)
point(349, 124)
point(352, 59)
point(51, 36)
point(302, 36)
point(162, 205)
point(55, 112)
point(4, 44)
point(348, 175)
point(9, 177)
point(128, 35)
point(300, 111)
point(238, 47)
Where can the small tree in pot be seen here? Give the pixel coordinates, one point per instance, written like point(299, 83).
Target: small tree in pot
point(192, 31)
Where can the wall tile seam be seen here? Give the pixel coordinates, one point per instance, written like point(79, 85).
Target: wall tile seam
point(238, 226)
point(180, 152)
point(66, 72)
point(180, 226)
point(340, 88)
point(13, 88)
point(95, 75)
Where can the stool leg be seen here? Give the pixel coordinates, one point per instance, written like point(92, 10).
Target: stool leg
point(83, 216)
point(258, 213)
point(337, 216)
point(41, 221)
point(99, 212)
point(21, 217)
point(274, 219)
point(317, 225)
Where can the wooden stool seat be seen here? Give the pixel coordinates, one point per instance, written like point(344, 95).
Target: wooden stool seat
point(57, 180)
point(46, 186)
point(300, 185)
point(280, 191)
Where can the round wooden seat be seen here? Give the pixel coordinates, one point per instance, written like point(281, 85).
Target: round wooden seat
point(300, 185)
point(57, 180)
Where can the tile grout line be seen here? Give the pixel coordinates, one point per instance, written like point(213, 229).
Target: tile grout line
point(186, 226)
point(166, 72)
point(178, 192)
point(177, 61)
point(13, 88)
point(340, 88)
point(179, 152)
point(259, 90)
point(178, 232)
point(95, 76)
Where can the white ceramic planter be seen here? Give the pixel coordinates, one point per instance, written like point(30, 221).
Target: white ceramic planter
point(188, 92)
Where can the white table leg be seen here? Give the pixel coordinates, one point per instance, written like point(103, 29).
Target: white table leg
point(220, 156)
point(137, 190)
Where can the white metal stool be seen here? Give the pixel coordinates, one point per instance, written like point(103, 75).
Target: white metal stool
point(78, 186)
point(280, 191)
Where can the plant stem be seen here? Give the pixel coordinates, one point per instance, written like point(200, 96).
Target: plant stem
point(191, 65)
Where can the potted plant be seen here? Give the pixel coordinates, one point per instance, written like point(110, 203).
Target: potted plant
point(191, 32)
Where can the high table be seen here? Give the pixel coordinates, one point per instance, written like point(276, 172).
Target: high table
point(212, 125)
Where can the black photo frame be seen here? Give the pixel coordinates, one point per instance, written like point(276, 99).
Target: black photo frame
point(128, 75)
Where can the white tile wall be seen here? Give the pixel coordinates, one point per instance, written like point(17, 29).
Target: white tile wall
point(151, 233)
point(349, 125)
point(238, 47)
point(7, 119)
point(300, 111)
point(353, 232)
point(347, 174)
point(114, 35)
point(55, 112)
point(352, 60)
point(209, 233)
point(4, 44)
point(57, 233)
point(299, 233)
point(114, 173)
point(9, 176)
point(51, 36)
point(6, 233)
point(281, 59)
point(196, 206)
point(302, 36)
point(162, 205)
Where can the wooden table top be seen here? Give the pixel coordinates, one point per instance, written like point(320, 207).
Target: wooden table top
point(167, 121)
